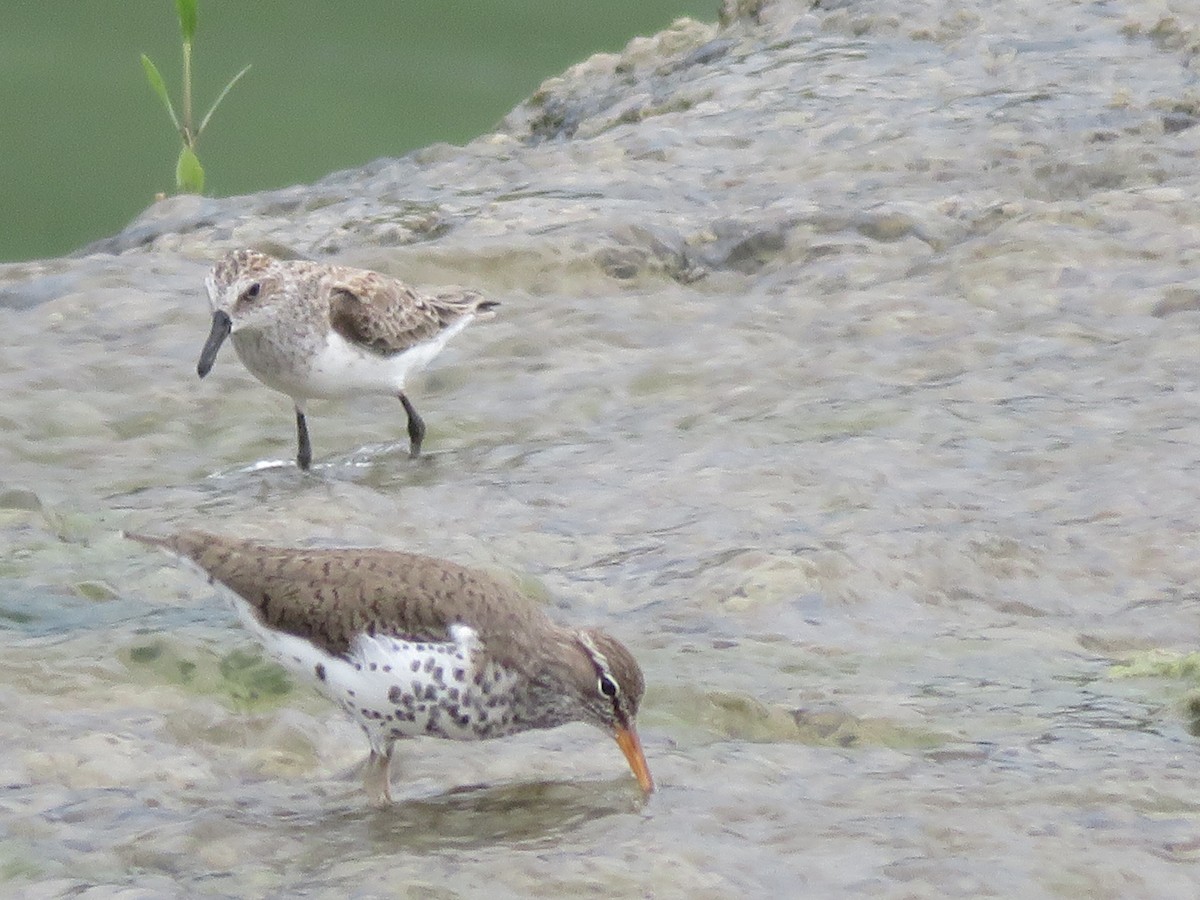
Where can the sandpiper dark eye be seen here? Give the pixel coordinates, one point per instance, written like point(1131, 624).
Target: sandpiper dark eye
point(608, 687)
point(251, 292)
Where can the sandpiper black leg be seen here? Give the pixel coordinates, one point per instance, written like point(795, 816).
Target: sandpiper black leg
point(416, 427)
point(304, 455)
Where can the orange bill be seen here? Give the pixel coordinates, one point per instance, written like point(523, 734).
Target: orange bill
point(627, 740)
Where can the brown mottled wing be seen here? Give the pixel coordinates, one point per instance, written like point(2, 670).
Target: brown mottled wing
point(386, 316)
point(329, 596)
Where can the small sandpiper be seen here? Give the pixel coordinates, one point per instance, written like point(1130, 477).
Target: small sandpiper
point(316, 331)
point(409, 645)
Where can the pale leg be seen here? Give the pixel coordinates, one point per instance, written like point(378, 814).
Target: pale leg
point(376, 779)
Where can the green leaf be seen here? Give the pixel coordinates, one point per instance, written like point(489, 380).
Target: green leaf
point(189, 174)
point(159, 87)
point(221, 96)
point(187, 18)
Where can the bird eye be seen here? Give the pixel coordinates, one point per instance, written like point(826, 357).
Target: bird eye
point(608, 687)
point(251, 292)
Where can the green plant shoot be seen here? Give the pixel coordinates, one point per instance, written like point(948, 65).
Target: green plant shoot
point(189, 174)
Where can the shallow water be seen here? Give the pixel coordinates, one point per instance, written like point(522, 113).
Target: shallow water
point(879, 491)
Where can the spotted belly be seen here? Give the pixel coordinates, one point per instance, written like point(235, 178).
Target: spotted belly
point(397, 688)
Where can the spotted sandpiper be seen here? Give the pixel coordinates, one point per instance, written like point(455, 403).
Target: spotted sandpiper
point(315, 331)
point(410, 645)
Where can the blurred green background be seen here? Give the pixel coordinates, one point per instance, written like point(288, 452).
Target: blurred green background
point(85, 145)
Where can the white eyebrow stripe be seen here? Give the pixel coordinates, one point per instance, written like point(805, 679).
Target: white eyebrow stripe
point(599, 657)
